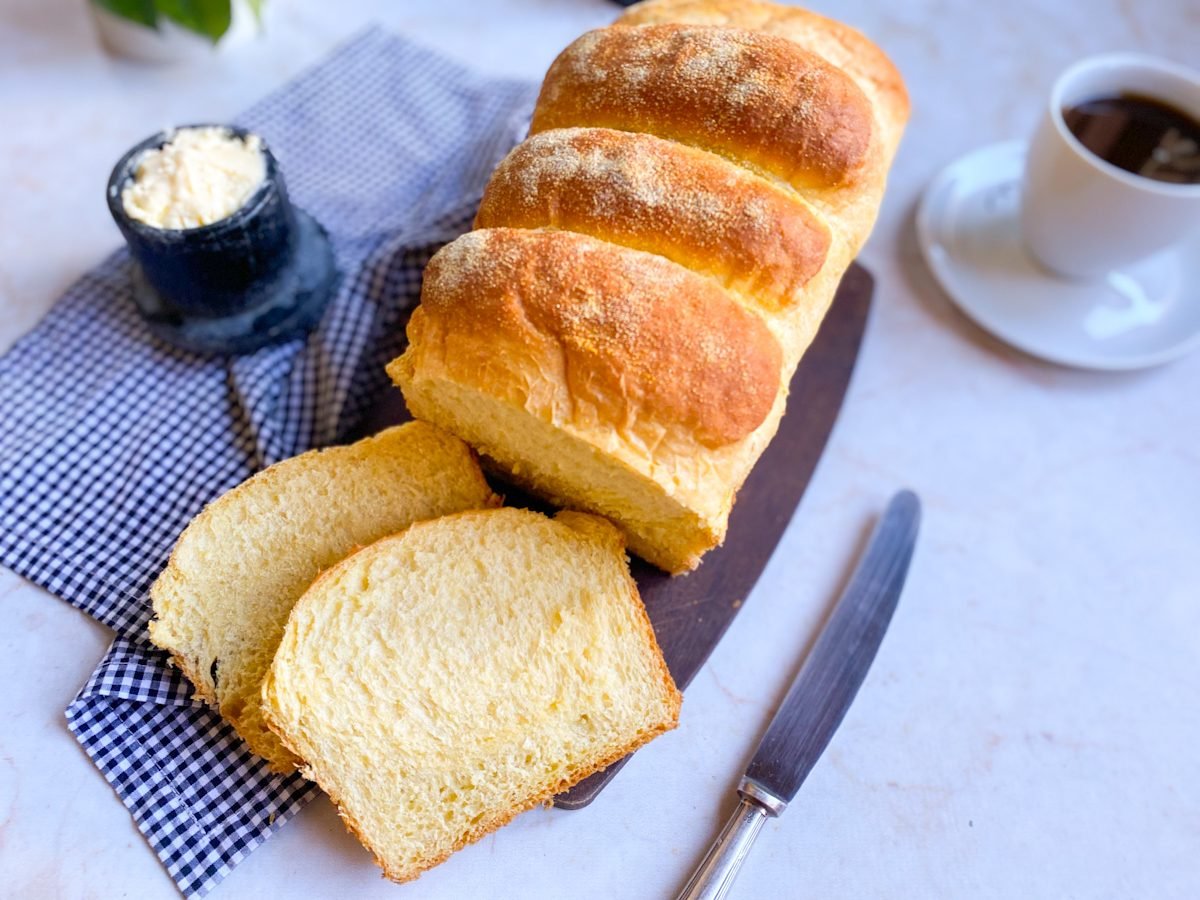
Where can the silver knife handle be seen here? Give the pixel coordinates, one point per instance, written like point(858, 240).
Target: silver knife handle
point(715, 875)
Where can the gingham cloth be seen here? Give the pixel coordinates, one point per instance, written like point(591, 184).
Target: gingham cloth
point(112, 441)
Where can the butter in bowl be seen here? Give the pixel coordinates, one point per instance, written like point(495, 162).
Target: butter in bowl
point(223, 262)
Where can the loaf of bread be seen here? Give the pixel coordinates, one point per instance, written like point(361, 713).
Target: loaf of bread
point(223, 601)
point(619, 332)
point(439, 682)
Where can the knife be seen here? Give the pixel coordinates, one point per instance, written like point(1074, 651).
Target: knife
point(818, 698)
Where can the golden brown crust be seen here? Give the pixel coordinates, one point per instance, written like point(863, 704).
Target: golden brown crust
point(662, 197)
point(835, 41)
point(586, 331)
point(754, 97)
point(680, 84)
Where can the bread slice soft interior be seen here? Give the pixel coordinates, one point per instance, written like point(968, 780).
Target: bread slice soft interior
point(441, 681)
point(223, 601)
point(570, 470)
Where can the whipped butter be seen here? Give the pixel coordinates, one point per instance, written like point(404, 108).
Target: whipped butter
point(200, 176)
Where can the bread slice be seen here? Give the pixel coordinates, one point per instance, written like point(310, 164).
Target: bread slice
point(224, 598)
point(440, 682)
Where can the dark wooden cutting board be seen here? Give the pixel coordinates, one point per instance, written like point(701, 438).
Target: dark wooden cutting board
point(691, 612)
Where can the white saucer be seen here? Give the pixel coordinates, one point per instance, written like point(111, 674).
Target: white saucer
point(968, 228)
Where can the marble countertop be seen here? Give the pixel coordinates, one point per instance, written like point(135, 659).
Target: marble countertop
point(1030, 726)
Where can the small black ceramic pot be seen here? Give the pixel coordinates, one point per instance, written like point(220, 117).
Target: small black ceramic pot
point(259, 276)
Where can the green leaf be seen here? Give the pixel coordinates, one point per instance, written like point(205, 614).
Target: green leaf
point(140, 11)
point(207, 17)
point(256, 7)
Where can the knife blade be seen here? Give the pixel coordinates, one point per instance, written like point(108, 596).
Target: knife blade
point(818, 699)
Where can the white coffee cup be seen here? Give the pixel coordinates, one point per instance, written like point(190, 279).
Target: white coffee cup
point(1084, 217)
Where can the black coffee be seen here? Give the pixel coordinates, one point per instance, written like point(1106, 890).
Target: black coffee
point(1141, 135)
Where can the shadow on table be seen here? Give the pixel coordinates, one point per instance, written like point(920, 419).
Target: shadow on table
point(929, 293)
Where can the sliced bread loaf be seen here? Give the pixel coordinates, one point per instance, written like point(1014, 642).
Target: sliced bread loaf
point(441, 681)
point(224, 598)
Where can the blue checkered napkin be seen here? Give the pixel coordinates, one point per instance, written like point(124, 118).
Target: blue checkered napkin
point(112, 441)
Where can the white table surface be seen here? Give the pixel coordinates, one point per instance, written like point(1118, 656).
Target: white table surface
point(1030, 727)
